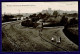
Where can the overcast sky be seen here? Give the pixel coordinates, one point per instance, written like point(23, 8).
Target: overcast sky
point(33, 7)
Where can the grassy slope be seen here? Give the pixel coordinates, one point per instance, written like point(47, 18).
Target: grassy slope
point(28, 39)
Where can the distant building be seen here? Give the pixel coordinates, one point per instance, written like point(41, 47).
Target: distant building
point(49, 11)
point(44, 11)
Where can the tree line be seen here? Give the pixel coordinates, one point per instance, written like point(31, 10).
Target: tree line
point(63, 22)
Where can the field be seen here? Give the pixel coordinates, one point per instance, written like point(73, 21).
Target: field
point(18, 38)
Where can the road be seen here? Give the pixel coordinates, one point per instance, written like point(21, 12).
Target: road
point(28, 39)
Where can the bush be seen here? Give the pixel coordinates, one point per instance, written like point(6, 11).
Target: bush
point(63, 21)
point(29, 23)
point(35, 25)
point(7, 18)
point(73, 21)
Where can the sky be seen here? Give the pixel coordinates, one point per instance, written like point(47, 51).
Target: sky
point(33, 7)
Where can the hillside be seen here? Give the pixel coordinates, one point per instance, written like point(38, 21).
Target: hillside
point(18, 38)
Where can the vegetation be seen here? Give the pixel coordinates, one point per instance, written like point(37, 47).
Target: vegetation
point(20, 39)
point(55, 13)
point(7, 18)
point(56, 20)
point(29, 23)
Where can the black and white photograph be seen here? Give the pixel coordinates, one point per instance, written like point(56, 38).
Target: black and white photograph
point(40, 26)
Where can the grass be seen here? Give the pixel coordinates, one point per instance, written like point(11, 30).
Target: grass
point(28, 39)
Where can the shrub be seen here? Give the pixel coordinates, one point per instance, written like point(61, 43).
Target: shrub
point(29, 23)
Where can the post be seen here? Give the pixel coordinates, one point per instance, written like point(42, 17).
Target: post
point(42, 26)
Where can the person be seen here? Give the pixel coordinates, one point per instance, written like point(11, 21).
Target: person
point(59, 40)
point(42, 25)
point(40, 32)
point(52, 39)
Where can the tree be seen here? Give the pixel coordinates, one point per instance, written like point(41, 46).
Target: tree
point(55, 13)
point(27, 23)
point(44, 15)
point(73, 21)
point(39, 15)
point(7, 17)
point(75, 15)
point(64, 14)
point(34, 18)
point(64, 21)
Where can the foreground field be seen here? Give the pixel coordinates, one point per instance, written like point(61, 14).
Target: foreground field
point(18, 38)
